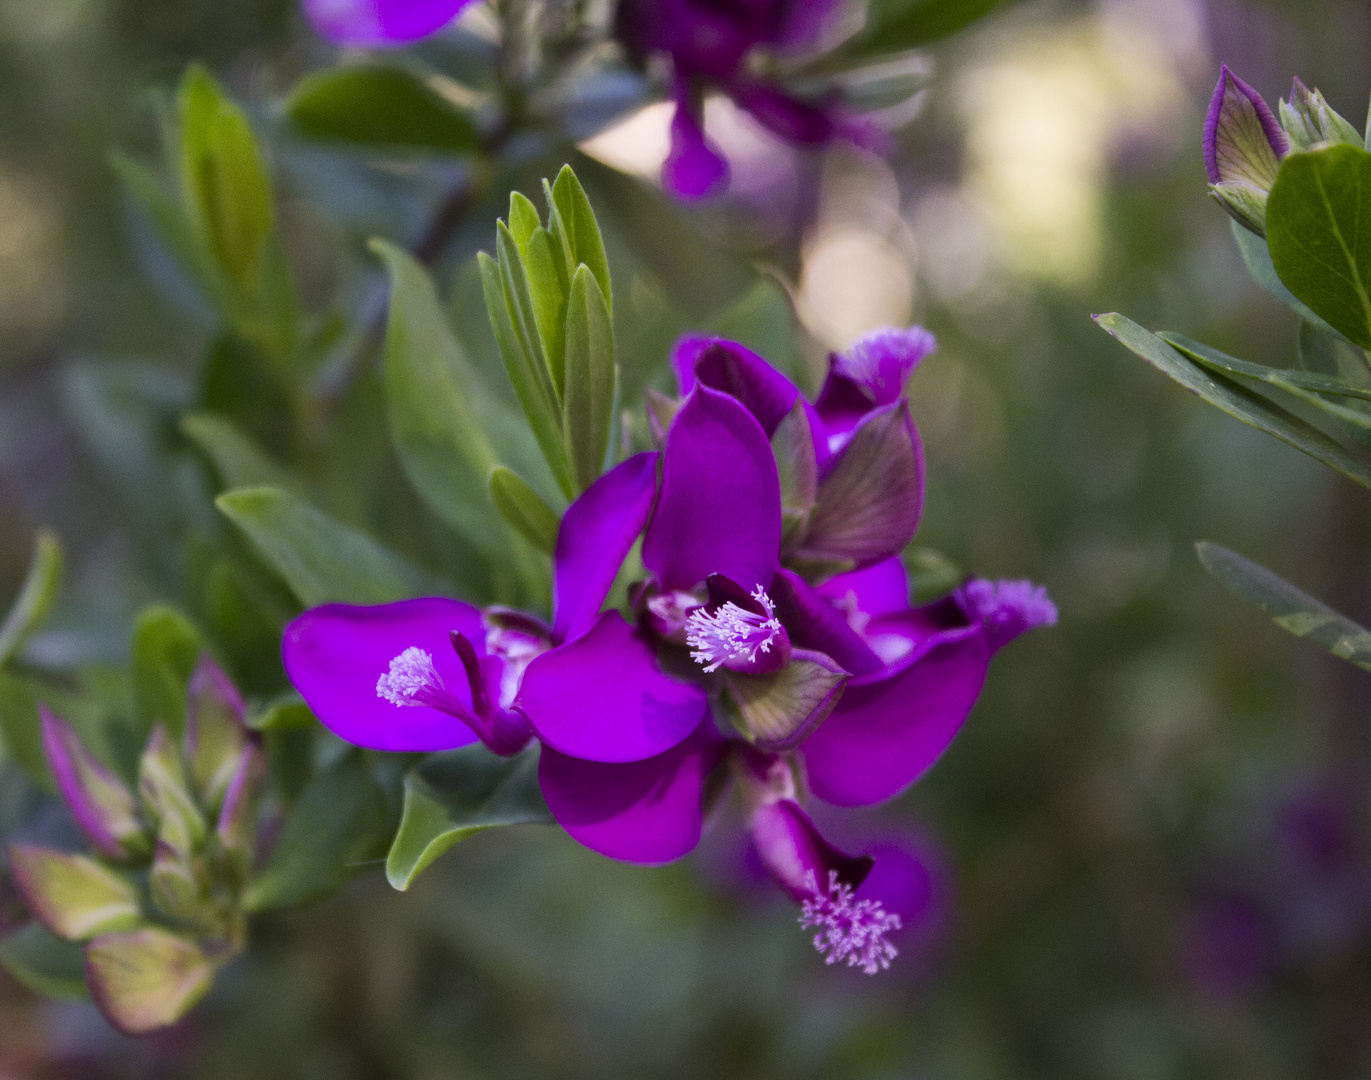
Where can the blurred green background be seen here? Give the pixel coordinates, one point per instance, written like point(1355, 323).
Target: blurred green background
point(1154, 834)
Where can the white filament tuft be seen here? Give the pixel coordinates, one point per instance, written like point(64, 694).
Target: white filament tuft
point(850, 930)
point(411, 680)
point(732, 634)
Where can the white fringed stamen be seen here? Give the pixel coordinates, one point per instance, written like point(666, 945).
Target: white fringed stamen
point(411, 680)
point(732, 634)
point(849, 930)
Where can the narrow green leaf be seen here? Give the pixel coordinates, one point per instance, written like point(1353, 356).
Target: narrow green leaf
point(382, 107)
point(437, 411)
point(455, 795)
point(530, 379)
point(518, 299)
point(523, 219)
point(1237, 401)
point(36, 595)
point(1317, 228)
point(582, 230)
point(20, 729)
point(148, 979)
point(524, 509)
point(45, 963)
point(1310, 387)
point(166, 647)
point(893, 25)
point(548, 288)
point(239, 461)
point(321, 559)
point(225, 188)
point(1290, 608)
point(561, 237)
point(588, 409)
point(333, 828)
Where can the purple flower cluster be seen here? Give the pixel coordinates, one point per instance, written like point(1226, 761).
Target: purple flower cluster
point(772, 641)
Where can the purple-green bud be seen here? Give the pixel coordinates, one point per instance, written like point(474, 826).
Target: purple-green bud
point(146, 980)
point(102, 806)
point(167, 798)
point(73, 895)
point(237, 827)
point(1243, 147)
point(215, 731)
point(1309, 121)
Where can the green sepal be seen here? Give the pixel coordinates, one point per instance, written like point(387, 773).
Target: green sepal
point(588, 406)
point(524, 509)
point(778, 711)
point(454, 795)
point(1244, 203)
point(74, 896)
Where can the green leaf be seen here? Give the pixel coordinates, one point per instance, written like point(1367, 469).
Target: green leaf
point(321, 559)
point(166, 647)
point(381, 107)
point(1257, 255)
point(523, 219)
point(548, 287)
point(20, 729)
point(286, 713)
point(455, 795)
point(529, 377)
point(334, 827)
point(74, 896)
point(436, 416)
point(588, 408)
point(1237, 401)
point(583, 236)
point(524, 509)
point(893, 25)
point(148, 979)
point(239, 461)
point(1290, 608)
point(1310, 387)
point(518, 298)
point(1318, 227)
point(225, 188)
point(45, 963)
point(36, 595)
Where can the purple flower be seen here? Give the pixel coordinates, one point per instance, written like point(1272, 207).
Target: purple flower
point(380, 23)
point(709, 44)
point(436, 674)
point(1243, 147)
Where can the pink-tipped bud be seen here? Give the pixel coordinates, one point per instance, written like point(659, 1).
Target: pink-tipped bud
point(215, 730)
point(1243, 147)
point(102, 806)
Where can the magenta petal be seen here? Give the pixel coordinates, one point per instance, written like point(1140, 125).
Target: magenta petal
point(694, 167)
point(814, 623)
point(880, 589)
point(719, 510)
point(738, 372)
point(378, 23)
point(793, 120)
point(596, 534)
point(642, 811)
point(1006, 609)
point(603, 698)
point(885, 734)
point(796, 856)
point(871, 373)
point(335, 654)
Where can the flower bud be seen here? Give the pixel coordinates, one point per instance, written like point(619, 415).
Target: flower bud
point(73, 895)
point(1243, 147)
point(146, 980)
point(167, 799)
point(102, 806)
point(1309, 121)
point(215, 732)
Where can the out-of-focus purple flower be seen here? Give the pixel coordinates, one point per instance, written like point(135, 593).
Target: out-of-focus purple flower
point(436, 674)
point(1227, 944)
point(709, 43)
point(1243, 147)
point(380, 23)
